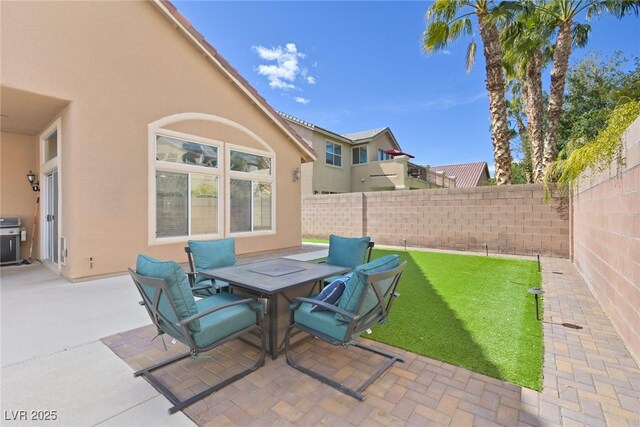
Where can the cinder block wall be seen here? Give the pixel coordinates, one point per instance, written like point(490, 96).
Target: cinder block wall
point(340, 214)
point(606, 229)
point(513, 219)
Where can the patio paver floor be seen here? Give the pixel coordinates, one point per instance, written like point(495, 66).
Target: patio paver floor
point(589, 377)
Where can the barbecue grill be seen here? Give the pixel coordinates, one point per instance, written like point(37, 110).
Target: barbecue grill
point(9, 240)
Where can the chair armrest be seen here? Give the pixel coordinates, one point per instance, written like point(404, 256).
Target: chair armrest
point(330, 307)
point(191, 275)
point(190, 319)
point(201, 288)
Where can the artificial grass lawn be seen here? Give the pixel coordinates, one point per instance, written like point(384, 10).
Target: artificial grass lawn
point(469, 311)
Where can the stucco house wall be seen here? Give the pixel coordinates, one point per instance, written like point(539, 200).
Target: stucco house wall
point(382, 141)
point(16, 196)
point(124, 66)
point(330, 178)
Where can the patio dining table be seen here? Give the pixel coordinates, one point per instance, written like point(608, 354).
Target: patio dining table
point(279, 281)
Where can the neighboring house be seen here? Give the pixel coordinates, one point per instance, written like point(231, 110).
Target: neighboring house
point(357, 162)
point(141, 136)
point(466, 174)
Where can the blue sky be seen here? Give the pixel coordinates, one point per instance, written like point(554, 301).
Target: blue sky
point(352, 66)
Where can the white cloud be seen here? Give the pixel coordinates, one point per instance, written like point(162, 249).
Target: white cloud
point(445, 52)
point(301, 100)
point(287, 69)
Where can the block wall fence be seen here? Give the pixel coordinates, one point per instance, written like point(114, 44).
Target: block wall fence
point(509, 219)
point(606, 239)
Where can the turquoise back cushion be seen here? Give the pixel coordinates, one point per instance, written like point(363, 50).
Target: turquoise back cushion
point(347, 251)
point(355, 287)
point(213, 253)
point(179, 289)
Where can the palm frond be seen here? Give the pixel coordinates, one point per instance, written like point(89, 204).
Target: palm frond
point(435, 37)
point(471, 55)
point(506, 11)
point(580, 33)
point(460, 27)
point(617, 8)
point(444, 10)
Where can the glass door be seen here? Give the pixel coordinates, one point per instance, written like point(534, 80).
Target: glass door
point(51, 218)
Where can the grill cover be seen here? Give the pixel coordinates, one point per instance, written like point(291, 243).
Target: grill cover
point(9, 221)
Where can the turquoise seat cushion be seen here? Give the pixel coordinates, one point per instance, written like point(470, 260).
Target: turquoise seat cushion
point(209, 254)
point(357, 284)
point(178, 288)
point(321, 321)
point(221, 324)
point(347, 251)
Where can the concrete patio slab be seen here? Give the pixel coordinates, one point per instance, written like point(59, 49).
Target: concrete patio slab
point(43, 313)
point(85, 385)
point(139, 416)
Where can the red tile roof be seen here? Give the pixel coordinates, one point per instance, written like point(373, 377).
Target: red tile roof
point(172, 12)
point(467, 174)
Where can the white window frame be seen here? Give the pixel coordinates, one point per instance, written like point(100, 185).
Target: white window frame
point(157, 165)
point(248, 176)
point(366, 152)
point(341, 155)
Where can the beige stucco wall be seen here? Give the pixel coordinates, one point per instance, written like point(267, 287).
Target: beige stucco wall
point(18, 155)
point(328, 177)
point(606, 239)
point(122, 65)
point(377, 176)
point(306, 169)
point(384, 175)
point(380, 142)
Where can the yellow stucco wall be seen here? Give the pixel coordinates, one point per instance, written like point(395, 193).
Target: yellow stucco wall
point(123, 65)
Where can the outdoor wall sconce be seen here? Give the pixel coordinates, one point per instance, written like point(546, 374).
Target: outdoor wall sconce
point(296, 174)
point(35, 185)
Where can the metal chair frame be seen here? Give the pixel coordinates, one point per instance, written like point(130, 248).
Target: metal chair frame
point(181, 332)
point(192, 274)
point(357, 324)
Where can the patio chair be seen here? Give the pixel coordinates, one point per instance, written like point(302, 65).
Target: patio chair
point(204, 255)
point(348, 252)
point(366, 301)
point(201, 325)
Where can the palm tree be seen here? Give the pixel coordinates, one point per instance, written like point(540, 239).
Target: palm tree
point(515, 110)
point(564, 13)
point(445, 25)
point(527, 51)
